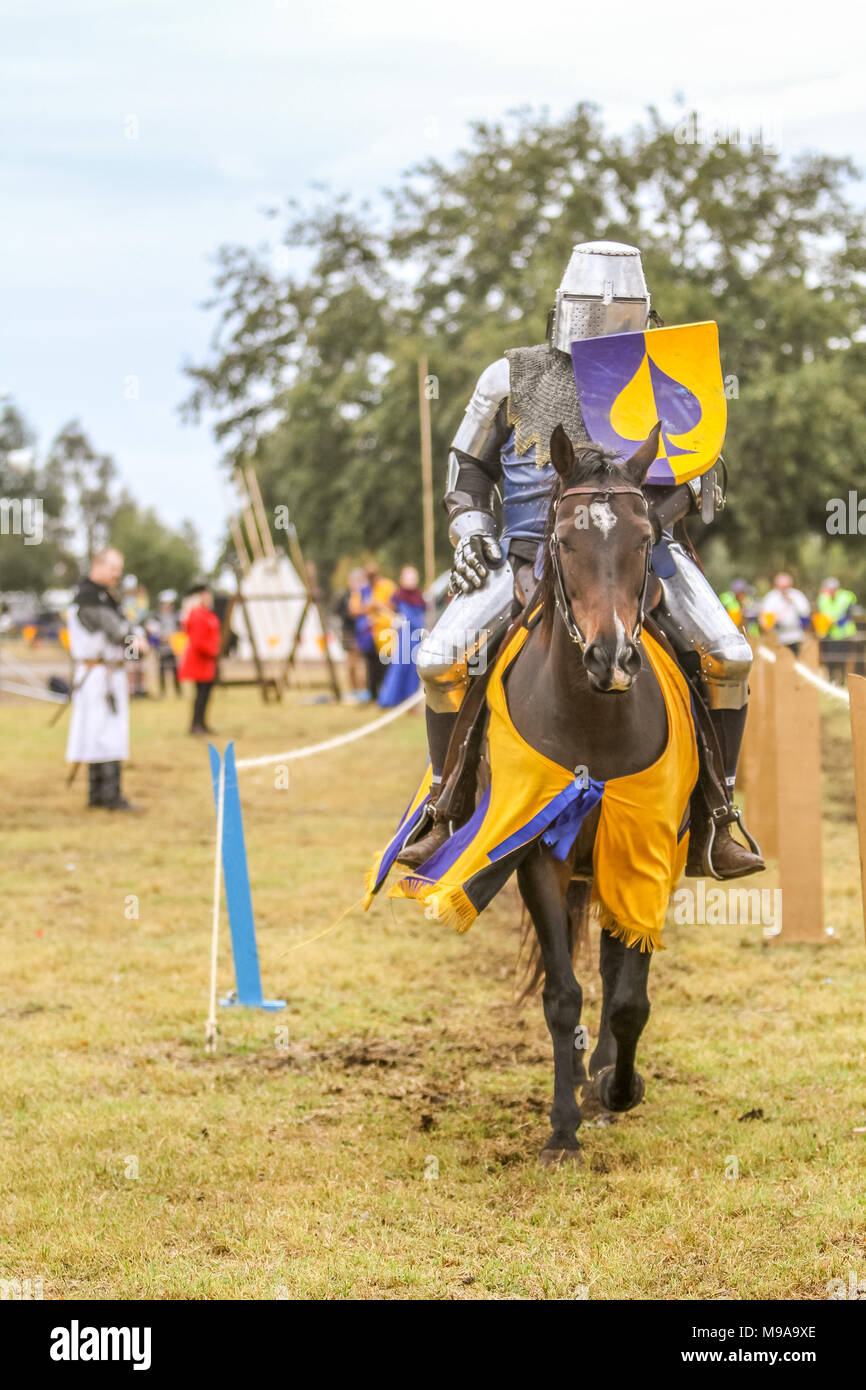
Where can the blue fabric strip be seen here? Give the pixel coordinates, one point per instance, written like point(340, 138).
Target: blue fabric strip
point(558, 822)
point(663, 561)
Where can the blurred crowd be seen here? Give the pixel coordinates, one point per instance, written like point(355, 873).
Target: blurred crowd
point(381, 622)
point(787, 613)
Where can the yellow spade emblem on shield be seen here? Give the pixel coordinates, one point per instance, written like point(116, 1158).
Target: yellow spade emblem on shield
point(679, 382)
point(628, 381)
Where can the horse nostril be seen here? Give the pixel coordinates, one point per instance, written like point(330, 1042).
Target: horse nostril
point(595, 660)
point(631, 660)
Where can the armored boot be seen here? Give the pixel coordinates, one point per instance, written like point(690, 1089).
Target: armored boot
point(713, 851)
point(440, 726)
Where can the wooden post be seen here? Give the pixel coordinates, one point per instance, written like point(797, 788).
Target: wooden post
point(249, 518)
point(426, 474)
point(257, 508)
point(798, 782)
point(747, 772)
point(266, 683)
point(314, 601)
point(857, 691)
point(255, 494)
point(240, 547)
point(761, 777)
point(810, 654)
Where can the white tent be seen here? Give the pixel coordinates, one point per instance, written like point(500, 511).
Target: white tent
point(274, 599)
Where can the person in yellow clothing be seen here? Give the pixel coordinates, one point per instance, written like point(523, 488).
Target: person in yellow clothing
point(371, 607)
point(739, 603)
point(835, 626)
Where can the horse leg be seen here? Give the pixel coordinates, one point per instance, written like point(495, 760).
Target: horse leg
point(610, 958)
point(541, 883)
point(577, 902)
point(625, 1008)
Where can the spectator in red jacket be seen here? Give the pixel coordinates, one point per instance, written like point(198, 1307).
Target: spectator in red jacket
point(198, 663)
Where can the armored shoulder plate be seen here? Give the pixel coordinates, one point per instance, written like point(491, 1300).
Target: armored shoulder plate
point(477, 433)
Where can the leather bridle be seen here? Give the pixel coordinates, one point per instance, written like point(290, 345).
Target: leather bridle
point(599, 494)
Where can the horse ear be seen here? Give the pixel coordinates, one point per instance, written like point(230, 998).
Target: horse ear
point(561, 452)
point(638, 465)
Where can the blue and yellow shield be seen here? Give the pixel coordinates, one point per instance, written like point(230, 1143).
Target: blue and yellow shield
point(628, 381)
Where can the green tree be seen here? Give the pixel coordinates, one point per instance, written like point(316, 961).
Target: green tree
point(313, 373)
point(160, 557)
point(38, 560)
point(88, 478)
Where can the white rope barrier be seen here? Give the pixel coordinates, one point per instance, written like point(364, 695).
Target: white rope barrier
point(818, 681)
point(32, 692)
point(310, 749)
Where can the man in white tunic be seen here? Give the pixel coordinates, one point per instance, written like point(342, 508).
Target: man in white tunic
point(101, 640)
point(786, 611)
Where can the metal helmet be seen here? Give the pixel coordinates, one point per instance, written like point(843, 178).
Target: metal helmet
point(603, 291)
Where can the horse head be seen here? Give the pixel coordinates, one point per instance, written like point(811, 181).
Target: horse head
point(599, 543)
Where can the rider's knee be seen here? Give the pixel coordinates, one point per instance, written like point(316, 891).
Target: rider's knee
point(725, 666)
point(436, 656)
point(443, 674)
point(445, 698)
point(446, 664)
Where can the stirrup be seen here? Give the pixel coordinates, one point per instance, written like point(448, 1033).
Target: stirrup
point(408, 852)
point(721, 816)
point(426, 822)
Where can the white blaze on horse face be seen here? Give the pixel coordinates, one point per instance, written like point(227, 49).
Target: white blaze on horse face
point(603, 516)
point(621, 679)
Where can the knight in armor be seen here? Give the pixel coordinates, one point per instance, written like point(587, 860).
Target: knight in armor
point(100, 639)
point(504, 442)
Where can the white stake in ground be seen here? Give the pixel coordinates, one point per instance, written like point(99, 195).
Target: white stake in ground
point(210, 1036)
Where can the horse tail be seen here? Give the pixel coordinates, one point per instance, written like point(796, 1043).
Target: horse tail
point(529, 974)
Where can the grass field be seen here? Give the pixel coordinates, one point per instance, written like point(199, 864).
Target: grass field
point(379, 1139)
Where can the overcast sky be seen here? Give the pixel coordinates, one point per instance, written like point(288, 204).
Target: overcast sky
point(138, 136)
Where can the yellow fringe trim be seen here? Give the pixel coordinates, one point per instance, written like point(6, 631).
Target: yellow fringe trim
point(370, 881)
point(648, 938)
point(443, 903)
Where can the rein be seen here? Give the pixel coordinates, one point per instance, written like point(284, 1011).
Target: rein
point(601, 494)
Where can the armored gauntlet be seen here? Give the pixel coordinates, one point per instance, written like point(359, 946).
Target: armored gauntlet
point(477, 551)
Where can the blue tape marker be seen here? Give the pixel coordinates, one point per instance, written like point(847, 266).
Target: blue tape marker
point(237, 884)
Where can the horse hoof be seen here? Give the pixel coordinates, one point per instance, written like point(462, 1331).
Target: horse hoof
point(555, 1158)
point(604, 1084)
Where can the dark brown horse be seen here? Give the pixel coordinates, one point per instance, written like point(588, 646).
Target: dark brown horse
point(580, 692)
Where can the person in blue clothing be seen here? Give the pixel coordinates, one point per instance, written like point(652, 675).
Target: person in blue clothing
point(401, 651)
